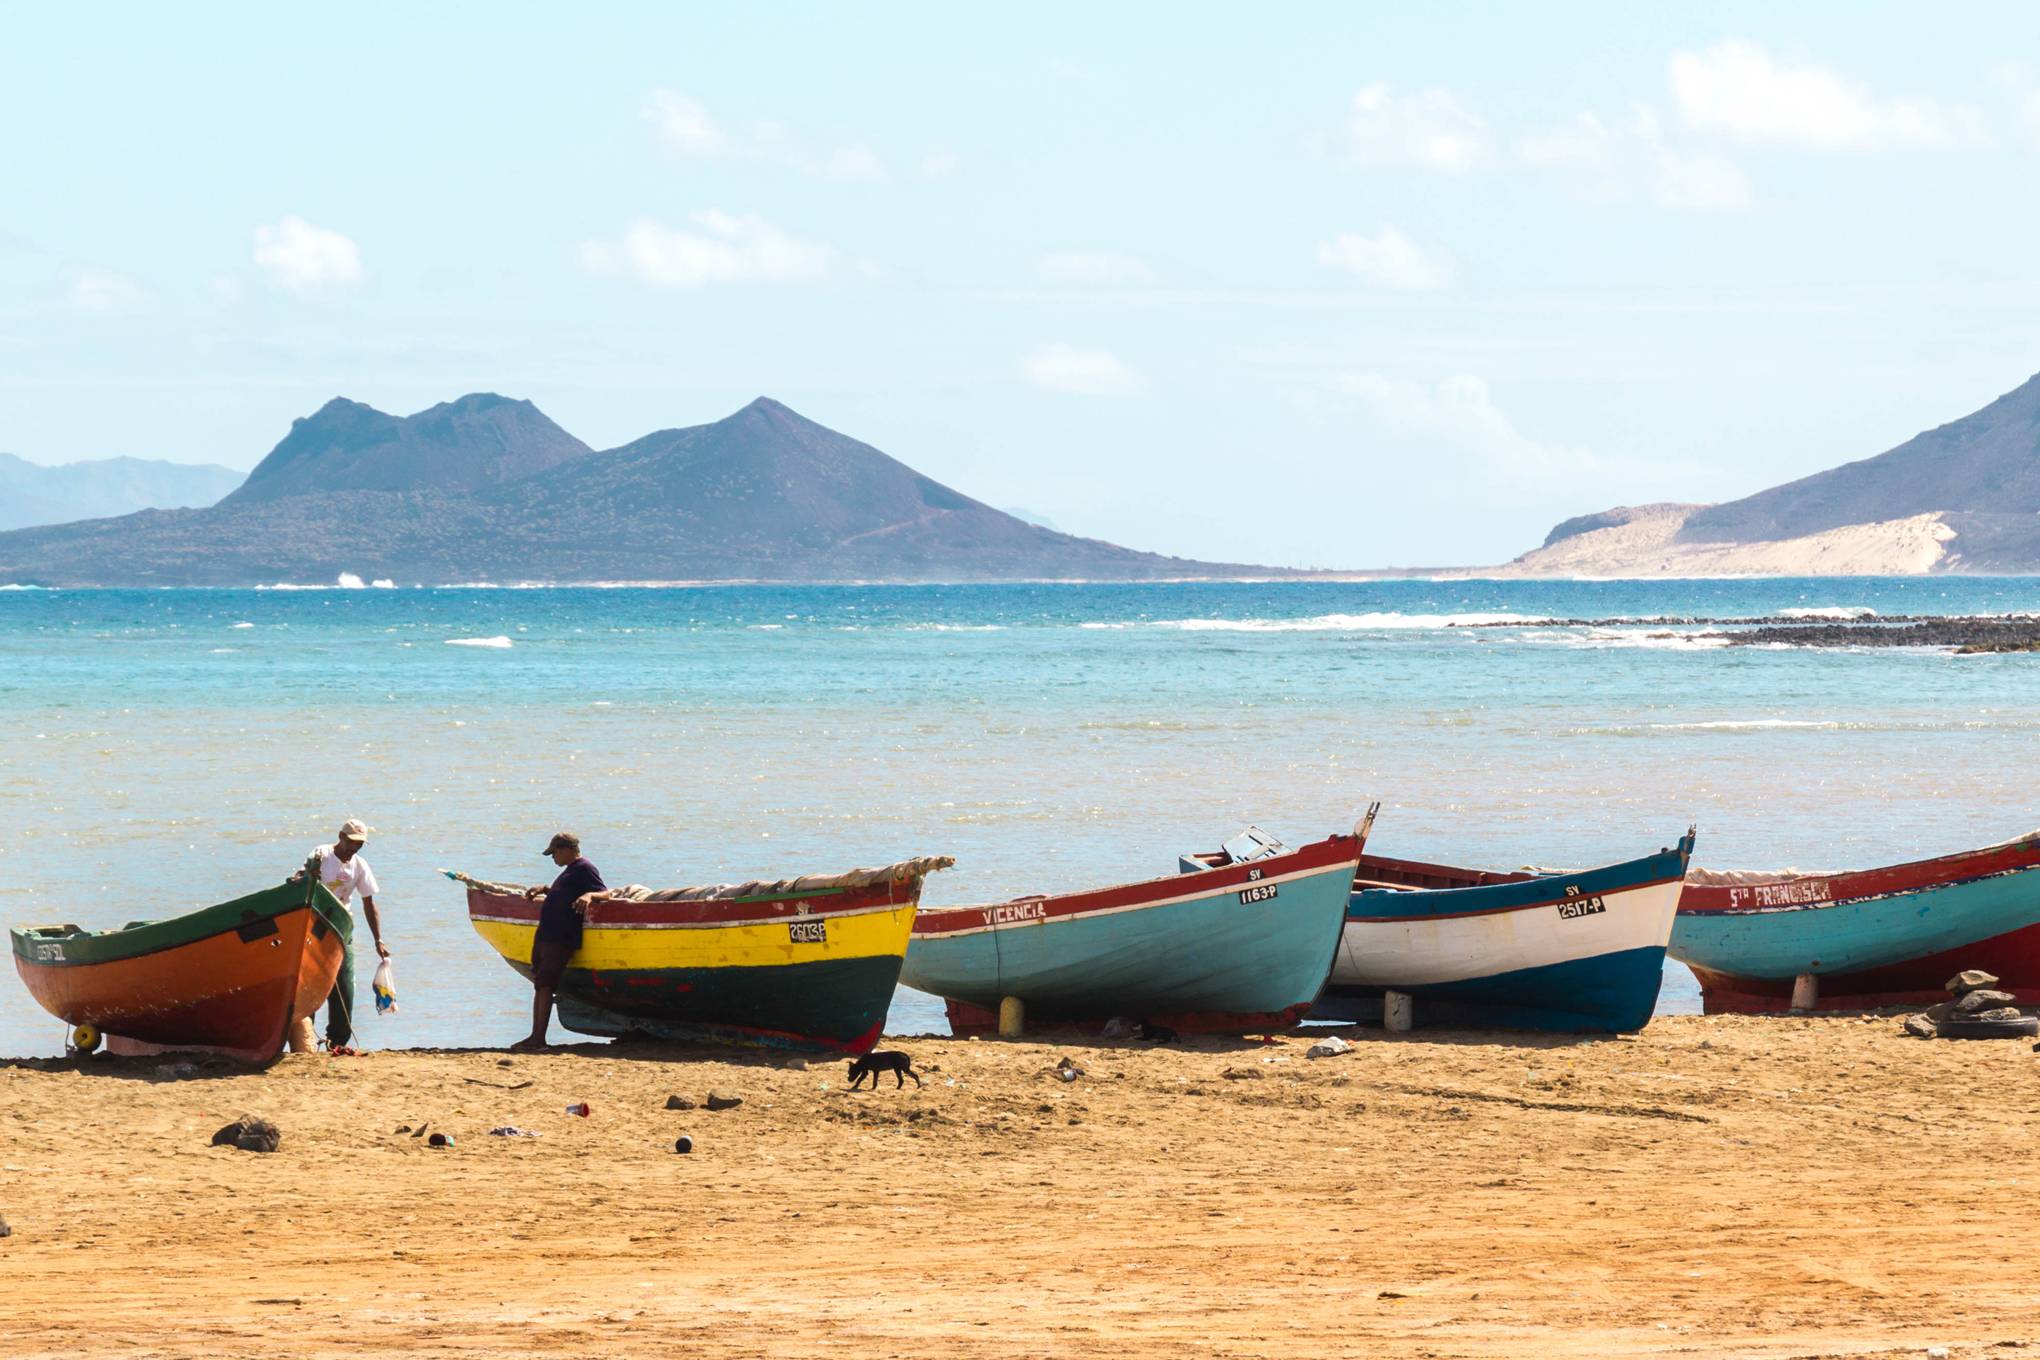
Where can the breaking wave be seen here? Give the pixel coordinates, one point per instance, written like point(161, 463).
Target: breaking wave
point(497, 641)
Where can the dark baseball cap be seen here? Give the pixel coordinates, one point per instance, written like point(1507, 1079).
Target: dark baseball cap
point(562, 840)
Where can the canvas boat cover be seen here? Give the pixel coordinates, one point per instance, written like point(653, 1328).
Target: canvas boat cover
point(905, 870)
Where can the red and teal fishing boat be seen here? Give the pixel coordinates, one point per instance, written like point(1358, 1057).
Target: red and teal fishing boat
point(805, 962)
point(1236, 942)
point(1869, 938)
point(230, 979)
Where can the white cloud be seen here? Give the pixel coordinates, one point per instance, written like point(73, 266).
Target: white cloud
point(1387, 259)
point(1429, 129)
point(858, 162)
point(722, 248)
point(306, 259)
point(1616, 161)
point(940, 164)
point(1737, 89)
point(683, 123)
point(105, 293)
point(1065, 368)
point(1093, 267)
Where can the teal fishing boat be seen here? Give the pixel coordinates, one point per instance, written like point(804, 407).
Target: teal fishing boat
point(1237, 942)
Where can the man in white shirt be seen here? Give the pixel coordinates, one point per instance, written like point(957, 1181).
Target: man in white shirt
point(345, 873)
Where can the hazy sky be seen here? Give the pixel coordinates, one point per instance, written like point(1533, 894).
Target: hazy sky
point(1343, 285)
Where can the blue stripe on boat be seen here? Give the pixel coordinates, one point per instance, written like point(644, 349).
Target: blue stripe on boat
point(1607, 993)
point(1398, 904)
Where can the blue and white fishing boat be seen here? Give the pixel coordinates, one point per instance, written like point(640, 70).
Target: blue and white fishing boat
point(1577, 953)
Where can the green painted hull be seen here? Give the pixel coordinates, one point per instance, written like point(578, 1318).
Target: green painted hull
point(836, 1005)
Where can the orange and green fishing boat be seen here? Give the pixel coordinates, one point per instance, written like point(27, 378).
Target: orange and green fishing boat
point(806, 962)
point(229, 979)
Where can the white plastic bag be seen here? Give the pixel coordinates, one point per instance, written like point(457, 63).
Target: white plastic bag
point(385, 987)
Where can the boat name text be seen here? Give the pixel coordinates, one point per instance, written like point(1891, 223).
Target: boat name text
point(1012, 913)
point(49, 953)
point(807, 932)
point(1780, 894)
point(1575, 906)
point(1260, 892)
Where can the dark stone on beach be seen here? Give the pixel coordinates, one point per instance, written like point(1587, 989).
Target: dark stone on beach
point(794, 1065)
point(5, 1231)
point(1969, 979)
point(1919, 1026)
point(1997, 1014)
point(250, 1134)
point(1982, 999)
point(1938, 1011)
point(679, 1103)
point(724, 1100)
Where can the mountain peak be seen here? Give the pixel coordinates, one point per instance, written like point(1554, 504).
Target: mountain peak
point(479, 440)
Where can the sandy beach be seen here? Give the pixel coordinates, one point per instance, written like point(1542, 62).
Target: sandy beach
point(1713, 1186)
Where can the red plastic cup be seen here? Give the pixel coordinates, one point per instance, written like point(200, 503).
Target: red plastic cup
point(580, 1108)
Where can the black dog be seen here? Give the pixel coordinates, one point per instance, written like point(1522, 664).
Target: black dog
point(1154, 1034)
point(892, 1060)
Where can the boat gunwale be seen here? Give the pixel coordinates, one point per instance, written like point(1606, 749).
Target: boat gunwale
point(705, 913)
point(1304, 861)
point(1914, 876)
point(99, 947)
point(1590, 883)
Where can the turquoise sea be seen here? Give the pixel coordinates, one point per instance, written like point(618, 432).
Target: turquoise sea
point(164, 749)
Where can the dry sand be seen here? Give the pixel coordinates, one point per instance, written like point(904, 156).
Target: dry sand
point(1647, 546)
point(1724, 1186)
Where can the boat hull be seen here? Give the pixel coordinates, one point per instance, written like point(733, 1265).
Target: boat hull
point(1570, 953)
point(1874, 938)
point(230, 979)
point(1239, 948)
point(801, 971)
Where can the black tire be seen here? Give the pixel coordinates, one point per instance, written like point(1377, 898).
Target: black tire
point(2023, 1028)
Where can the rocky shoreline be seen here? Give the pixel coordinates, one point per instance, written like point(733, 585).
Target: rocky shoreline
point(1965, 634)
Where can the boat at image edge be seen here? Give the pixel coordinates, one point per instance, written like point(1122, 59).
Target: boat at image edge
point(230, 979)
point(1871, 937)
point(1576, 953)
point(1226, 947)
point(798, 963)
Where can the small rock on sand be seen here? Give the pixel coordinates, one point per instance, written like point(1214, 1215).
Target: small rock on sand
point(5, 1231)
point(724, 1100)
point(1939, 1011)
point(1327, 1048)
point(250, 1134)
point(1919, 1026)
point(794, 1065)
point(1969, 979)
point(679, 1103)
point(1243, 1074)
point(1982, 999)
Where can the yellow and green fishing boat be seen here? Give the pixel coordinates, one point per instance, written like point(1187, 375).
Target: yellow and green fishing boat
point(805, 962)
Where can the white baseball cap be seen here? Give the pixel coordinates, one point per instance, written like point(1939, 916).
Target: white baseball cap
point(354, 829)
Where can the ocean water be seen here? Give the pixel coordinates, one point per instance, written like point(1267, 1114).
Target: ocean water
point(164, 749)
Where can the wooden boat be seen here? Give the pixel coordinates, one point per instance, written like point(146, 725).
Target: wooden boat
point(1231, 944)
point(229, 979)
point(1870, 938)
point(1576, 953)
point(797, 963)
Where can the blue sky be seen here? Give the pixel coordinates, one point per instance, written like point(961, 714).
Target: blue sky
point(1344, 285)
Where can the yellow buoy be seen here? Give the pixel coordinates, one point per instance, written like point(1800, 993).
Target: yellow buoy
point(85, 1038)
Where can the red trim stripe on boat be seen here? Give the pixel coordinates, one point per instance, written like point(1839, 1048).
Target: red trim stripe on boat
point(1814, 890)
point(1309, 859)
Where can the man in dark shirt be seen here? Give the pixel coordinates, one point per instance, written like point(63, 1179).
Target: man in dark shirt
point(559, 927)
